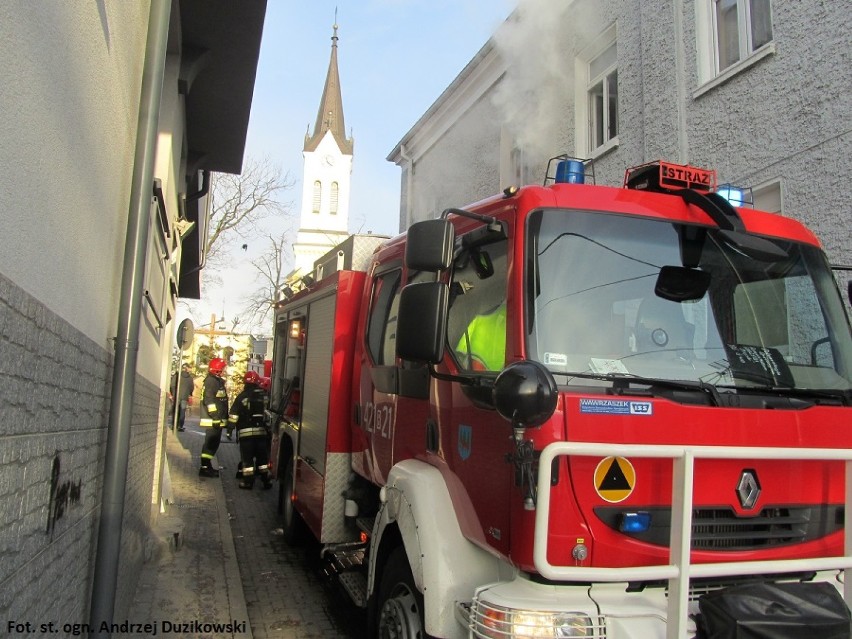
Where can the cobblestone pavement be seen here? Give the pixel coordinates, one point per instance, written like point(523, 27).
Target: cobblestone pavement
point(191, 574)
point(286, 594)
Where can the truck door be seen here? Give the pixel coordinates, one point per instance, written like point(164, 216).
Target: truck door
point(475, 440)
point(378, 385)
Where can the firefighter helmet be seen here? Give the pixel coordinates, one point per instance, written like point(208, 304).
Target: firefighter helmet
point(265, 383)
point(251, 377)
point(217, 365)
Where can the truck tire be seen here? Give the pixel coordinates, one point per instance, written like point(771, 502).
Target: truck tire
point(400, 604)
point(291, 521)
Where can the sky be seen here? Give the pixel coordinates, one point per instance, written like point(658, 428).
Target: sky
point(395, 58)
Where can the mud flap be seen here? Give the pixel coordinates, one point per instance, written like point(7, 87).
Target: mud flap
point(775, 611)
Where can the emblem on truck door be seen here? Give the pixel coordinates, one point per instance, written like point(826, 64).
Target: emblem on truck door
point(748, 489)
point(465, 441)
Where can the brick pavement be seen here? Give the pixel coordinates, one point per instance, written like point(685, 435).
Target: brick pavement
point(286, 594)
point(192, 574)
point(231, 562)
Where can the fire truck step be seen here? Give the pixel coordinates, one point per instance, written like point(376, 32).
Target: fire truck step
point(355, 584)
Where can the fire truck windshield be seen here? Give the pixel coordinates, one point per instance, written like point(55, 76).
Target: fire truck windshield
point(595, 307)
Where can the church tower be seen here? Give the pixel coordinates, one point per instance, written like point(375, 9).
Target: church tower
point(324, 220)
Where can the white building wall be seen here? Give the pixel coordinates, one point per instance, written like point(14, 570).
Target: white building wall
point(71, 87)
point(69, 103)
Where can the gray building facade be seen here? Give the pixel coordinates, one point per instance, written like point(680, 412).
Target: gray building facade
point(756, 89)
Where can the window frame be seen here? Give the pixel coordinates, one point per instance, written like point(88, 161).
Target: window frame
point(380, 336)
point(707, 42)
point(317, 197)
point(585, 144)
point(334, 198)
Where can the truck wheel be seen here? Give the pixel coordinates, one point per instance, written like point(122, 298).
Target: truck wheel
point(400, 604)
point(292, 525)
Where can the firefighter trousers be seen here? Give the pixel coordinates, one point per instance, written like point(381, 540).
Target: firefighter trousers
point(254, 454)
point(212, 439)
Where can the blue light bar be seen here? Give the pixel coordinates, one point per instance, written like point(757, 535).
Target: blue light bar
point(570, 172)
point(734, 196)
point(635, 522)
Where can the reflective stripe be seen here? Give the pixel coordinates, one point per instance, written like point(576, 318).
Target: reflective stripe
point(263, 468)
point(248, 470)
point(205, 422)
point(233, 419)
point(252, 432)
point(211, 407)
point(206, 456)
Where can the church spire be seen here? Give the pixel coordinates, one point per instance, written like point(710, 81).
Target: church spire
point(330, 114)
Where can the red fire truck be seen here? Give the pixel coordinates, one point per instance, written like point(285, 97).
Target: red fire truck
point(575, 410)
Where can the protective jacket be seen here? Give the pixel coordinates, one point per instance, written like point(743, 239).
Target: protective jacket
point(214, 403)
point(247, 413)
point(248, 417)
point(483, 344)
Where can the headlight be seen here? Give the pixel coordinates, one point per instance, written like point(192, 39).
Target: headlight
point(496, 622)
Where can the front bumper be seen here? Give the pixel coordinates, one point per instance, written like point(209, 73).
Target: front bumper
point(523, 609)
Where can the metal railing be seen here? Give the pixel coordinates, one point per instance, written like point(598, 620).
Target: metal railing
point(679, 570)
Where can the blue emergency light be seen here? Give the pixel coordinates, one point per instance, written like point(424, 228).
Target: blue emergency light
point(570, 172)
point(734, 196)
point(637, 522)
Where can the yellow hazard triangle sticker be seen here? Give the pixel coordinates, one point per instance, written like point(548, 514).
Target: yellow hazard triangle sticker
point(615, 479)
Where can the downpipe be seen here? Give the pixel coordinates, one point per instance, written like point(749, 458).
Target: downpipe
point(130, 310)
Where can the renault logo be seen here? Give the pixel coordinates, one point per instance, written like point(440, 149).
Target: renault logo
point(748, 489)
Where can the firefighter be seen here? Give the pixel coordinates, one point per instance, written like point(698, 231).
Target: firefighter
point(483, 344)
point(248, 417)
point(214, 412)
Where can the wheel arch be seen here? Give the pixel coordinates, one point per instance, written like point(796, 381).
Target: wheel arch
point(417, 512)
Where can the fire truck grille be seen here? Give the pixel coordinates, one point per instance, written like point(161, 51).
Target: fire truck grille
point(722, 529)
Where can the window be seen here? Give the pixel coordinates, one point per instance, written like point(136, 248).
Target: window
point(742, 26)
point(514, 168)
point(767, 197)
point(596, 96)
point(334, 191)
point(156, 276)
point(476, 330)
point(381, 330)
point(317, 196)
point(731, 35)
point(603, 97)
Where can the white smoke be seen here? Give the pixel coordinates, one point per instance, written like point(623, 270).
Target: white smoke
point(537, 89)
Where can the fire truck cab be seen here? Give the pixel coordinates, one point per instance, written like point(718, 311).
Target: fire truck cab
point(574, 410)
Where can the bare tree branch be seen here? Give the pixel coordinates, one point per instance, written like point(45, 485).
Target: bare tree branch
point(271, 268)
point(240, 202)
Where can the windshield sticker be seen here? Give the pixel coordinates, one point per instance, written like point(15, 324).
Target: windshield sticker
point(615, 479)
point(555, 359)
point(615, 407)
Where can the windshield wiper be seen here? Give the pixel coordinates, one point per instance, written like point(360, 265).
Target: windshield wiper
point(838, 397)
point(622, 381)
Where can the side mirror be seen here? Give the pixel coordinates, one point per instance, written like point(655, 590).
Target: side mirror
point(421, 325)
point(525, 394)
point(429, 246)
